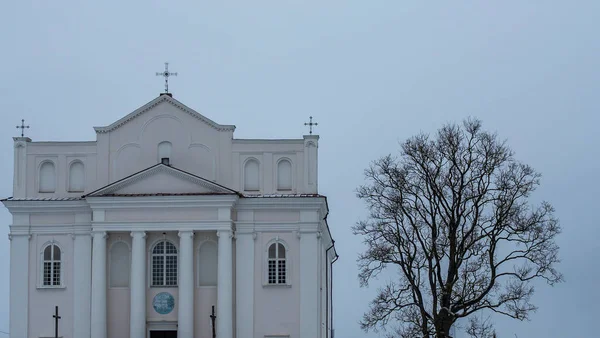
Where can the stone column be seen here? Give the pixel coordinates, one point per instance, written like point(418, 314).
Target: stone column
point(186, 285)
point(224, 285)
point(98, 321)
point(82, 284)
point(19, 275)
point(137, 315)
point(244, 295)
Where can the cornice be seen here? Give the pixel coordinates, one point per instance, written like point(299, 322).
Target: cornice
point(156, 102)
point(160, 168)
point(24, 206)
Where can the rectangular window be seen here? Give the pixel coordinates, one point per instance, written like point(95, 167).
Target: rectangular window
point(157, 270)
point(56, 274)
point(171, 271)
point(281, 272)
point(47, 273)
point(272, 272)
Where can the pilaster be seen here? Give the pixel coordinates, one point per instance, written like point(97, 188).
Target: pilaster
point(19, 275)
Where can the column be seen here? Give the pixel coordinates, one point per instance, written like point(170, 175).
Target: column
point(137, 315)
point(82, 285)
point(98, 321)
point(19, 258)
point(185, 327)
point(309, 285)
point(224, 285)
point(244, 295)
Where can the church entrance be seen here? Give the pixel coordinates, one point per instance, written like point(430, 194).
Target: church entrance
point(163, 334)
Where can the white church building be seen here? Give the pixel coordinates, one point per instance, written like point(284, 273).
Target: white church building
point(164, 216)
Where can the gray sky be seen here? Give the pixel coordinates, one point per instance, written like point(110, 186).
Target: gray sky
point(372, 73)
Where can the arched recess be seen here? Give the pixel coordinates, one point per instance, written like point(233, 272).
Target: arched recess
point(252, 175)
point(47, 177)
point(165, 150)
point(120, 265)
point(76, 176)
point(284, 174)
point(207, 263)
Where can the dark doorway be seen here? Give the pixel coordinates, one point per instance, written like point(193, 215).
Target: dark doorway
point(163, 334)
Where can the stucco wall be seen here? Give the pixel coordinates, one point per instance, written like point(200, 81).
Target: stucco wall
point(43, 300)
point(276, 307)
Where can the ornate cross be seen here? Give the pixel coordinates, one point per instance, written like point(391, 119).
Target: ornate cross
point(56, 318)
point(166, 75)
point(22, 127)
point(311, 124)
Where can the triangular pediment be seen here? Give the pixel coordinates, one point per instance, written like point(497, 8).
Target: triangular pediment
point(162, 180)
point(166, 99)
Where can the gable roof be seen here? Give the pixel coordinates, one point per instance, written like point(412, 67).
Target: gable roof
point(112, 189)
point(169, 100)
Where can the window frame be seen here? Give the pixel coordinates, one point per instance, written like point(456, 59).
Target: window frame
point(164, 264)
point(276, 241)
point(61, 261)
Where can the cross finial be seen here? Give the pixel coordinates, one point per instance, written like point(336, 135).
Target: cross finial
point(311, 124)
point(22, 127)
point(166, 75)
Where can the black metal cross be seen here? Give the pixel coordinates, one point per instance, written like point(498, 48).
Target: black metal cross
point(166, 75)
point(212, 318)
point(311, 124)
point(56, 318)
point(22, 127)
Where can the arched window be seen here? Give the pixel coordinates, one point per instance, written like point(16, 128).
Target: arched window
point(164, 264)
point(76, 177)
point(207, 264)
point(277, 264)
point(164, 151)
point(251, 175)
point(47, 177)
point(119, 265)
point(51, 266)
point(284, 175)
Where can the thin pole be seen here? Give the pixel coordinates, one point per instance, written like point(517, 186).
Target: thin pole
point(56, 318)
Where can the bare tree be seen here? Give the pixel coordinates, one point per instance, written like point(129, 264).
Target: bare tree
point(452, 215)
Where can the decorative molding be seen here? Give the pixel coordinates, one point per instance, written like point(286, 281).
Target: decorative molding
point(166, 99)
point(254, 235)
point(298, 234)
point(319, 234)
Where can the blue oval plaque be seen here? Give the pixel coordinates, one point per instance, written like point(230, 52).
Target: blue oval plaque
point(163, 303)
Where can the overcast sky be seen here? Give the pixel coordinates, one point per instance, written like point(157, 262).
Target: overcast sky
point(372, 73)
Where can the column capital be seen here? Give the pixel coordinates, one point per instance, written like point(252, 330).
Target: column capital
point(186, 233)
point(225, 233)
point(100, 234)
point(141, 234)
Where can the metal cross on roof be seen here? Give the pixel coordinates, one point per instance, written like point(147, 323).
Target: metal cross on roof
point(311, 124)
point(166, 75)
point(22, 127)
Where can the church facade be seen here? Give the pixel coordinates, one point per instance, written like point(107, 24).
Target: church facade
point(165, 225)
